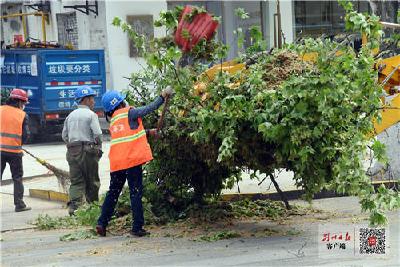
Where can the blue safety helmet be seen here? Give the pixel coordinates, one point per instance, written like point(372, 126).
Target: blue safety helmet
point(111, 100)
point(84, 91)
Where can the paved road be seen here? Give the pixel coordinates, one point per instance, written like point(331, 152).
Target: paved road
point(43, 248)
point(31, 247)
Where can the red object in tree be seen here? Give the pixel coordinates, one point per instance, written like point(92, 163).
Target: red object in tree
point(202, 26)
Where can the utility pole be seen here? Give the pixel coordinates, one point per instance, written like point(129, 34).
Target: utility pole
point(277, 26)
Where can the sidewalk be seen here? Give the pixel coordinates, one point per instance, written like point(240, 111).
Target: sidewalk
point(11, 220)
point(55, 154)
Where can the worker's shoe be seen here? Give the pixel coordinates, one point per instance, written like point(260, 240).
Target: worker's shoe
point(140, 233)
point(22, 208)
point(71, 211)
point(71, 208)
point(100, 230)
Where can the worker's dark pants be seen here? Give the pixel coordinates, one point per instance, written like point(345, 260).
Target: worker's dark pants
point(15, 162)
point(118, 178)
point(83, 161)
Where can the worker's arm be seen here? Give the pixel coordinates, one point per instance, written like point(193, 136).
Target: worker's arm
point(135, 113)
point(25, 129)
point(96, 129)
point(65, 131)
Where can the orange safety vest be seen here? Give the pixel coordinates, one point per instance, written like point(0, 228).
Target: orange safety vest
point(129, 148)
point(11, 120)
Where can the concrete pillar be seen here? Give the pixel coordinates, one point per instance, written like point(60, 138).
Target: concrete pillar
point(228, 14)
point(287, 13)
point(265, 22)
point(287, 20)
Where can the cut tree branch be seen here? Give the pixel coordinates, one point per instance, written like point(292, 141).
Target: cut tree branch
point(281, 194)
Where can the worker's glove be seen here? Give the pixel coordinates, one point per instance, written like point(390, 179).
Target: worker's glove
point(167, 92)
point(154, 133)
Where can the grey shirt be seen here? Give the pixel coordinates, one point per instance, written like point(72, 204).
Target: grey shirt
point(83, 125)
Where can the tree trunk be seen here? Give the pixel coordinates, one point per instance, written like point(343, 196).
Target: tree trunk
point(281, 194)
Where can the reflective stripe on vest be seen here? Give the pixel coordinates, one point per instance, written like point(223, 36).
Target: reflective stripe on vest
point(16, 136)
point(129, 148)
point(11, 147)
point(11, 120)
point(128, 138)
point(117, 117)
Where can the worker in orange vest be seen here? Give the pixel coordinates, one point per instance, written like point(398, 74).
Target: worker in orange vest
point(14, 131)
point(129, 150)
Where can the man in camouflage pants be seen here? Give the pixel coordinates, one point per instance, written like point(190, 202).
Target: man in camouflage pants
point(83, 136)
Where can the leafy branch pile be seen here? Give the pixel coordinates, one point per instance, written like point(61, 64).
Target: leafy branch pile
point(313, 118)
point(260, 209)
point(88, 214)
point(193, 221)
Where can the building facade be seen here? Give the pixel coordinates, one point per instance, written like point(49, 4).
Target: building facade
point(87, 24)
point(71, 23)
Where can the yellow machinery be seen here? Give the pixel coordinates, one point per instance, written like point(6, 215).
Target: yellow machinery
point(389, 76)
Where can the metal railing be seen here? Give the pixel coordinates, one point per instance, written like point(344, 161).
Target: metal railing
point(23, 15)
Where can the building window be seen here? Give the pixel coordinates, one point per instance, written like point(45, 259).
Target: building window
point(141, 24)
point(67, 29)
point(314, 18)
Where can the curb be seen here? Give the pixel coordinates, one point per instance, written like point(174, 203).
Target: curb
point(297, 194)
point(18, 229)
point(28, 178)
point(290, 195)
point(49, 195)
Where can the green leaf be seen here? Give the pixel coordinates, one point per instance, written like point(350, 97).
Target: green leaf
point(78, 235)
point(301, 107)
point(116, 21)
point(241, 13)
point(186, 34)
point(377, 218)
point(379, 151)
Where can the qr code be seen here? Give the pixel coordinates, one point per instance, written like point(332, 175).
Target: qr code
point(372, 241)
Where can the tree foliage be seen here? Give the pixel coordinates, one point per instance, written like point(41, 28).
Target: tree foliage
point(313, 118)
